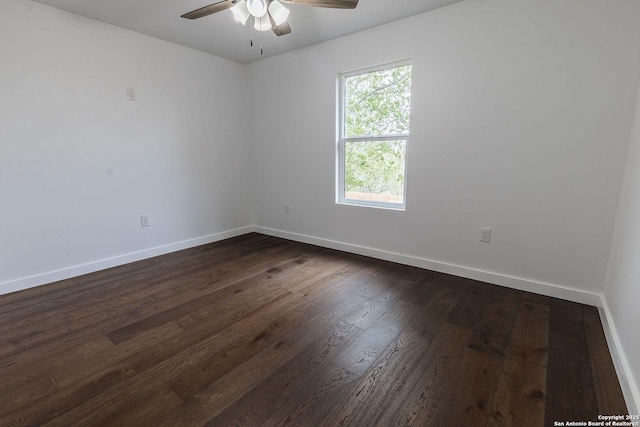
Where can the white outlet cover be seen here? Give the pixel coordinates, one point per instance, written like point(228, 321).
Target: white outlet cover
point(485, 235)
point(131, 94)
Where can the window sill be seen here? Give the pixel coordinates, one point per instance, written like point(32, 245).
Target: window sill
point(368, 204)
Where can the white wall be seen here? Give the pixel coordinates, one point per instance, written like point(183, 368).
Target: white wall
point(520, 121)
point(622, 288)
point(79, 163)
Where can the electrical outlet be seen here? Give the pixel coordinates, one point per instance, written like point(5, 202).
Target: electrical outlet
point(286, 208)
point(131, 94)
point(144, 221)
point(485, 235)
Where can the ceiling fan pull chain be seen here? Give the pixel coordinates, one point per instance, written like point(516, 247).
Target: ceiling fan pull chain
point(251, 32)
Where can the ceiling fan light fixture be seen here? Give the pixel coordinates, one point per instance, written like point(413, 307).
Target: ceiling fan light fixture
point(241, 12)
point(262, 23)
point(278, 12)
point(257, 8)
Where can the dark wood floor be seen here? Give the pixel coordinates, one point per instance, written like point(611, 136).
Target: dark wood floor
point(262, 331)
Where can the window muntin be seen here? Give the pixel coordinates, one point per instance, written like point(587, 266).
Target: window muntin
point(375, 107)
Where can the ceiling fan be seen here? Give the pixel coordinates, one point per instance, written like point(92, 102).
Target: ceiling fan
point(267, 14)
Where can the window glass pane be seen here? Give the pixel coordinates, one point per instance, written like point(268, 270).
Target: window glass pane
point(374, 170)
point(378, 103)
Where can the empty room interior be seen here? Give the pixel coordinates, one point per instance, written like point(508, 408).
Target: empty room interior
point(181, 244)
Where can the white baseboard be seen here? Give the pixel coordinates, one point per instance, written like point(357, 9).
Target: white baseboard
point(78, 270)
point(541, 288)
point(629, 387)
point(484, 276)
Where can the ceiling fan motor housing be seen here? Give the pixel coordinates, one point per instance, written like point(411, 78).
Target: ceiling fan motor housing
point(257, 8)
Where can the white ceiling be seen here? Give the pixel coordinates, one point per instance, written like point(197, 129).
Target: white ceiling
point(220, 35)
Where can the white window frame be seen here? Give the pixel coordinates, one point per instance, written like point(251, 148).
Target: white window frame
point(342, 141)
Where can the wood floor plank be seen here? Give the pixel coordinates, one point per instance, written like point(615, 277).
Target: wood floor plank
point(227, 311)
point(363, 284)
point(530, 336)
point(210, 402)
point(469, 310)
point(228, 318)
point(379, 387)
point(321, 265)
point(425, 395)
point(422, 292)
point(15, 398)
point(88, 405)
point(254, 325)
point(370, 312)
point(520, 398)
point(207, 371)
point(90, 384)
point(469, 405)
point(21, 370)
point(257, 330)
point(311, 406)
point(82, 368)
point(145, 409)
point(437, 362)
point(569, 363)
point(493, 330)
point(87, 366)
point(239, 293)
point(360, 355)
point(292, 385)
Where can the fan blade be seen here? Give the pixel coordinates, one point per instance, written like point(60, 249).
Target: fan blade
point(279, 30)
point(208, 10)
point(334, 4)
point(282, 29)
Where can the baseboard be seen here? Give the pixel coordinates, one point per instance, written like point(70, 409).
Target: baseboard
point(547, 289)
point(630, 388)
point(484, 276)
point(78, 270)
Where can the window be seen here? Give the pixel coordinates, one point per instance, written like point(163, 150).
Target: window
point(374, 129)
